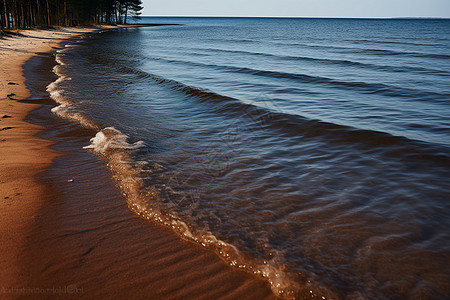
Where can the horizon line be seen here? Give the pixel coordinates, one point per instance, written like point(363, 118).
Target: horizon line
point(291, 17)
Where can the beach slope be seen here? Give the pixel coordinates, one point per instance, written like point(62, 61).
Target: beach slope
point(46, 253)
point(22, 155)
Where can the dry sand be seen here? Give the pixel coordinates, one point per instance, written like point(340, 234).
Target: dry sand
point(114, 256)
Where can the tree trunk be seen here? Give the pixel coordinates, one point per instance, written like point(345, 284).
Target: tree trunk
point(32, 15)
point(6, 15)
point(38, 11)
point(118, 15)
point(126, 13)
point(22, 23)
point(66, 23)
point(48, 14)
point(2, 22)
point(15, 17)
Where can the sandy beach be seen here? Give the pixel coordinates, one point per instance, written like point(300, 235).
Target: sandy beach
point(113, 254)
point(22, 155)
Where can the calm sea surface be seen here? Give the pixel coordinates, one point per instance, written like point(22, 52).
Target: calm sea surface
point(313, 152)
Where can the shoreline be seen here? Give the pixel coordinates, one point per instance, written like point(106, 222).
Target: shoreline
point(22, 155)
point(36, 253)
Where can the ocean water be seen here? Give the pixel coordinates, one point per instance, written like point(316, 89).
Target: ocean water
point(312, 152)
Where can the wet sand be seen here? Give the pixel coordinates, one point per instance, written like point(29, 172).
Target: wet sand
point(22, 155)
point(65, 230)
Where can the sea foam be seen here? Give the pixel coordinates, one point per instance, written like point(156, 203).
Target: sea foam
point(111, 139)
point(66, 108)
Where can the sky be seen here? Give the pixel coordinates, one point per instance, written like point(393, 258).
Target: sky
point(299, 8)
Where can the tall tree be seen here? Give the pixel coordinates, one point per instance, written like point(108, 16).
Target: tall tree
point(29, 13)
point(132, 8)
point(5, 21)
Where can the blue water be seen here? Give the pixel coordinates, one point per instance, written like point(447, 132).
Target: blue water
point(312, 152)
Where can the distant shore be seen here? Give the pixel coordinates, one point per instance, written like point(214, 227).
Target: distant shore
point(37, 254)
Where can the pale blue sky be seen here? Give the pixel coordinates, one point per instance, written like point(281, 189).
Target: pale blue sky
point(299, 8)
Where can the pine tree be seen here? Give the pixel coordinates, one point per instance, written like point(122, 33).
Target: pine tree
point(31, 13)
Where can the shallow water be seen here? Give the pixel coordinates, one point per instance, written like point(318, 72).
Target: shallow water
point(313, 152)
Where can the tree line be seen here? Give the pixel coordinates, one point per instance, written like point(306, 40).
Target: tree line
point(15, 14)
